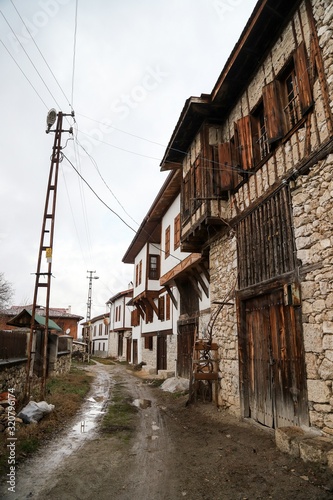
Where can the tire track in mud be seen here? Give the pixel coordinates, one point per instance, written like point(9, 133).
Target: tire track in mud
point(149, 477)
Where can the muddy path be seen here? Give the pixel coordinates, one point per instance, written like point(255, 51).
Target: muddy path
point(177, 451)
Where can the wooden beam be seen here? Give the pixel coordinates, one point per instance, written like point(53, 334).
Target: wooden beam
point(195, 286)
point(204, 271)
point(172, 297)
point(203, 285)
point(152, 304)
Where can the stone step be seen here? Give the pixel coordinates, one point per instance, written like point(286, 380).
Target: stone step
point(309, 445)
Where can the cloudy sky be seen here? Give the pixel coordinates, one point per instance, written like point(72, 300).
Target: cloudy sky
point(126, 74)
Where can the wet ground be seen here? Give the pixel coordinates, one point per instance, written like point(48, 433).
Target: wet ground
point(35, 474)
point(178, 451)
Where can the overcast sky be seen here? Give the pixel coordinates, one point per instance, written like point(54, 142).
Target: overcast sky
point(136, 62)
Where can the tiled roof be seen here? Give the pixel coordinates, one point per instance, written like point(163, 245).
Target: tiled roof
point(54, 312)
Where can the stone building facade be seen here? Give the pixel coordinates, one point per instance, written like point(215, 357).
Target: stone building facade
point(257, 193)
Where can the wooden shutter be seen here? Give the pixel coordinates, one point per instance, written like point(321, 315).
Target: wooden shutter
point(303, 80)
point(186, 194)
point(167, 242)
point(140, 272)
point(245, 138)
point(167, 307)
point(161, 308)
point(177, 232)
point(225, 163)
point(273, 111)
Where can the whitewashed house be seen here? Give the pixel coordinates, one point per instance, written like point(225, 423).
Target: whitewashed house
point(170, 289)
point(120, 334)
point(96, 331)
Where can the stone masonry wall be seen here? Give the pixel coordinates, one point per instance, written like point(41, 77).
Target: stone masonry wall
point(313, 223)
point(13, 376)
point(150, 357)
point(223, 276)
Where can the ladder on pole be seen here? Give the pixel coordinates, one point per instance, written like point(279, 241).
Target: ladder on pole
point(44, 269)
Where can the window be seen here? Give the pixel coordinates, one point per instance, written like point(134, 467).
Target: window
point(161, 308)
point(100, 330)
point(177, 232)
point(260, 133)
point(95, 331)
point(287, 99)
point(153, 267)
point(138, 274)
point(106, 329)
point(167, 307)
point(167, 242)
point(118, 314)
point(149, 343)
point(292, 109)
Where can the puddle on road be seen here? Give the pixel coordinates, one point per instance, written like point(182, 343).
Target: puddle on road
point(142, 403)
point(35, 474)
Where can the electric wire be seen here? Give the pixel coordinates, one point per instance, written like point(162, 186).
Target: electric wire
point(26, 53)
point(224, 165)
point(25, 76)
point(122, 149)
point(115, 213)
point(105, 183)
point(74, 52)
point(41, 54)
point(72, 212)
point(97, 196)
point(84, 206)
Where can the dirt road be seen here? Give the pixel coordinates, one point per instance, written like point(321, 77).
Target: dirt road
point(177, 451)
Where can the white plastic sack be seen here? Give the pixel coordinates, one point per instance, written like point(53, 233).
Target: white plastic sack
point(33, 412)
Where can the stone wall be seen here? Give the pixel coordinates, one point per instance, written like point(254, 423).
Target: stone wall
point(62, 365)
point(223, 280)
point(150, 356)
point(313, 222)
point(13, 376)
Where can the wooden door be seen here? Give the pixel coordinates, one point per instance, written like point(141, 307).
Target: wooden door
point(274, 377)
point(161, 363)
point(185, 342)
point(135, 352)
point(128, 350)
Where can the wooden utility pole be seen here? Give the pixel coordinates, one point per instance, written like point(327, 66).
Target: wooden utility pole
point(44, 270)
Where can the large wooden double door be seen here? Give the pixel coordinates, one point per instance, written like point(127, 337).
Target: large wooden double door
point(272, 361)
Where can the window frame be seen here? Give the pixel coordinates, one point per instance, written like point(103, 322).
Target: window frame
point(153, 272)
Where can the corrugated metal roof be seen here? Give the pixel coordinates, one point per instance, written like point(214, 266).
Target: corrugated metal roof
point(24, 319)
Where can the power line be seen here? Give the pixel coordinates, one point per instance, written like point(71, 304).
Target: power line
point(25, 76)
point(115, 213)
point(122, 149)
point(98, 197)
point(74, 50)
point(71, 209)
point(26, 53)
point(228, 165)
point(108, 187)
point(47, 64)
point(84, 205)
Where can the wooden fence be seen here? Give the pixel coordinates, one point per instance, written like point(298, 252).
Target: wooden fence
point(13, 344)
